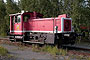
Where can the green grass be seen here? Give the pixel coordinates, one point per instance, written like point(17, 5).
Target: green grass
point(50, 49)
point(3, 51)
point(36, 48)
point(88, 58)
point(80, 57)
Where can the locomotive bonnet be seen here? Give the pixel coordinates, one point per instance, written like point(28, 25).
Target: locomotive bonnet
point(31, 27)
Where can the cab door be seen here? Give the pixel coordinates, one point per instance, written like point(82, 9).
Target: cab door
point(26, 24)
point(11, 24)
point(17, 25)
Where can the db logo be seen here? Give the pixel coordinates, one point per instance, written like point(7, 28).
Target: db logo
point(17, 27)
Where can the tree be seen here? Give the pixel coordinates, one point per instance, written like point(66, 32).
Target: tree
point(11, 8)
point(77, 10)
point(49, 8)
point(2, 20)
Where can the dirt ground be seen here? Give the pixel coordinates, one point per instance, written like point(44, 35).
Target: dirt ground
point(25, 54)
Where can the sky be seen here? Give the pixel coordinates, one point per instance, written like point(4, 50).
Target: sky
point(4, 0)
point(13, 0)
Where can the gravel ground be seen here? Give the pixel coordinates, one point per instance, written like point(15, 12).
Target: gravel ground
point(26, 54)
point(20, 53)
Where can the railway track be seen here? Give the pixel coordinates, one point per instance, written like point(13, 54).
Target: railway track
point(72, 49)
point(4, 38)
point(78, 49)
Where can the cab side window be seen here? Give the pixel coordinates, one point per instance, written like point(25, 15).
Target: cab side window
point(17, 18)
point(12, 18)
point(26, 17)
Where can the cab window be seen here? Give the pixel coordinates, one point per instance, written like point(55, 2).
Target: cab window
point(26, 17)
point(17, 18)
point(12, 18)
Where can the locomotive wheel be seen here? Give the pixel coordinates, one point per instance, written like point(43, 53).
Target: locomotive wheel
point(12, 40)
point(73, 43)
point(59, 45)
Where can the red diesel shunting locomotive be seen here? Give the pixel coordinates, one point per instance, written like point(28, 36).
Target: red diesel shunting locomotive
point(33, 28)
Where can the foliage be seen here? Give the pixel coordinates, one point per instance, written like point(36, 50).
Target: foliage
point(3, 51)
point(2, 21)
point(35, 48)
point(5, 10)
point(78, 10)
point(11, 8)
point(50, 49)
point(49, 8)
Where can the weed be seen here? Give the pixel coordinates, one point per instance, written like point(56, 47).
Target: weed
point(80, 57)
point(54, 50)
point(22, 47)
point(63, 52)
point(88, 58)
point(35, 48)
point(45, 48)
point(33, 59)
point(50, 49)
point(9, 55)
point(3, 51)
point(68, 58)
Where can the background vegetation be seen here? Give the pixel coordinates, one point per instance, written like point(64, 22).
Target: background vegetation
point(78, 10)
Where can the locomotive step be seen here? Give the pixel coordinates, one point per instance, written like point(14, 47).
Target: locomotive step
point(34, 42)
point(11, 39)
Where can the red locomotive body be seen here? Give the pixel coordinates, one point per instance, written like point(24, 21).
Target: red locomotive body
point(31, 27)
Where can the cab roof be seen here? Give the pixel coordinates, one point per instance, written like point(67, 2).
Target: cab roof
point(15, 14)
point(31, 13)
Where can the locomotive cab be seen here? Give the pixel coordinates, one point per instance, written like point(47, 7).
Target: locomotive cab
point(15, 23)
point(17, 20)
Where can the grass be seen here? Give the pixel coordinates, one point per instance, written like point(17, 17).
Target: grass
point(63, 52)
point(46, 48)
point(88, 58)
point(55, 51)
point(3, 51)
point(35, 48)
point(80, 57)
point(50, 49)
